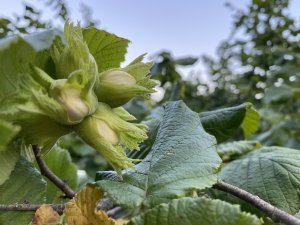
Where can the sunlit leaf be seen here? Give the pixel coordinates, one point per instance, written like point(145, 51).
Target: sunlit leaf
point(250, 122)
point(108, 49)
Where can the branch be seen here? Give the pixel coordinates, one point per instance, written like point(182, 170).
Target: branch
point(69, 193)
point(59, 208)
point(274, 213)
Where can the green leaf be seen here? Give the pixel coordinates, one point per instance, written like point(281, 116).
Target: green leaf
point(224, 123)
point(60, 163)
point(8, 160)
point(236, 148)
point(17, 53)
point(195, 211)
point(108, 49)
point(7, 132)
point(272, 173)
point(15, 56)
point(182, 160)
point(24, 184)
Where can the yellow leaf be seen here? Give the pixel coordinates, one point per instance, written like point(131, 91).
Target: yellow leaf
point(81, 210)
point(45, 215)
point(121, 222)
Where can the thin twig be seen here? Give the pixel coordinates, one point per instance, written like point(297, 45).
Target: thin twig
point(114, 211)
point(69, 193)
point(59, 208)
point(274, 213)
point(105, 204)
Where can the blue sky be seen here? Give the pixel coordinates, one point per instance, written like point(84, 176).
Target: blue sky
point(190, 27)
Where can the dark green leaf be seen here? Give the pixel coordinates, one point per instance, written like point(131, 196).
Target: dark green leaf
point(195, 211)
point(272, 173)
point(224, 123)
point(237, 148)
point(25, 184)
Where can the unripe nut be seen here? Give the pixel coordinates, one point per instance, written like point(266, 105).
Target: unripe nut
point(119, 77)
point(106, 132)
point(72, 102)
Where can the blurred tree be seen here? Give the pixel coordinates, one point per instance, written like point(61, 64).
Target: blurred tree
point(31, 20)
point(165, 70)
point(260, 63)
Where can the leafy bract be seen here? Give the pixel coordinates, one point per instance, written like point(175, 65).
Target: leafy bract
point(224, 123)
point(236, 148)
point(39, 129)
point(108, 131)
point(195, 211)
point(183, 159)
point(108, 49)
point(17, 106)
point(60, 163)
point(25, 184)
point(272, 173)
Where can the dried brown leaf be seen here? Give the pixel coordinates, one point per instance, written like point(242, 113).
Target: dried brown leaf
point(81, 210)
point(45, 215)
